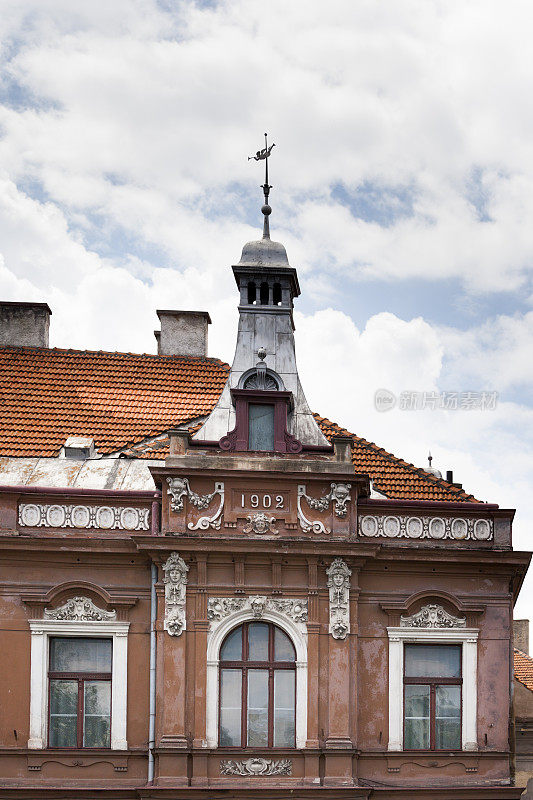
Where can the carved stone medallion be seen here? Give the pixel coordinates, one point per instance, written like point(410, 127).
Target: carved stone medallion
point(432, 616)
point(256, 767)
point(79, 609)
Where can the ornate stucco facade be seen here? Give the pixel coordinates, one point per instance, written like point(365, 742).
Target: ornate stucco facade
point(158, 553)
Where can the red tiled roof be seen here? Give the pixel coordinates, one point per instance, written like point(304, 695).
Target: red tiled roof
point(124, 399)
point(393, 476)
point(523, 668)
point(47, 395)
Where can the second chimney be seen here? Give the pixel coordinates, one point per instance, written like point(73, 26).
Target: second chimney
point(521, 635)
point(183, 333)
point(24, 324)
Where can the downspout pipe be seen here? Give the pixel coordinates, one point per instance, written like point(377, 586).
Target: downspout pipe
point(151, 724)
point(153, 617)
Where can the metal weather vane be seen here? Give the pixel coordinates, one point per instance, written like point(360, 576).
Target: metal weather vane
point(263, 155)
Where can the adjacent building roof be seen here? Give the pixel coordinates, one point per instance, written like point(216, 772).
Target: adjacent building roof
point(523, 668)
point(127, 402)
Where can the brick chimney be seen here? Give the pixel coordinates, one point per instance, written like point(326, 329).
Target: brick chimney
point(24, 324)
point(183, 333)
point(521, 635)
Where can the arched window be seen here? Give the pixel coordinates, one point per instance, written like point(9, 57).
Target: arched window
point(257, 687)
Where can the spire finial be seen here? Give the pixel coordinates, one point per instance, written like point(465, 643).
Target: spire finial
point(430, 458)
point(262, 155)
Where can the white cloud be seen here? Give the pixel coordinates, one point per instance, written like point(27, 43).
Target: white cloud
point(126, 129)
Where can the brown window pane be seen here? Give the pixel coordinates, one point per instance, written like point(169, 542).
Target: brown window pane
point(63, 713)
point(257, 641)
point(230, 707)
point(231, 650)
point(97, 714)
point(79, 654)
point(284, 721)
point(448, 717)
point(260, 427)
point(283, 647)
point(417, 717)
point(432, 661)
point(257, 708)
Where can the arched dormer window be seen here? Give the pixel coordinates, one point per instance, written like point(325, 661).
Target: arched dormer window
point(257, 687)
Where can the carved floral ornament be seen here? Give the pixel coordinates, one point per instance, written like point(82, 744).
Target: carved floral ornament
point(339, 495)
point(179, 488)
point(432, 617)
point(220, 607)
point(175, 581)
point(339, 598)
point(256, 767)
point(79, 609)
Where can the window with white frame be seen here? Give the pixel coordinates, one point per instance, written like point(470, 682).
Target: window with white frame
point(79, 692)
point(257, 687)
point(432, 688)
point(273, 664)
point(432, 685)
point(78, 689)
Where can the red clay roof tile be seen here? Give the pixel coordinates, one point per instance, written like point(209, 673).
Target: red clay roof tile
point(523, 668)
point(124, 399)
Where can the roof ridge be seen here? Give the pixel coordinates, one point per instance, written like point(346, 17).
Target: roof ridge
point(74, 351)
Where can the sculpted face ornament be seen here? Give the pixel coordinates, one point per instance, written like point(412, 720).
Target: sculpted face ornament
point(220, 607)
point(340, 494)
point(259, 523)
point(339, 598)
point(257, 605)
point(175, 581)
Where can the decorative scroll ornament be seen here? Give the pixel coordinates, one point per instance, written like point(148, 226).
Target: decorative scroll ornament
point(175, 580)
point(257, 766)
point(410, 527)
point(339, 495)
point(432, 616)
point(220, 607)
point(339, 598)
point(180, 488)
point(259, 523)
point(79, 609)
point(54, 515)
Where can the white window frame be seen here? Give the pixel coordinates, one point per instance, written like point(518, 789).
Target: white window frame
point(467, 637)
point(297, 632)
point(41, 631)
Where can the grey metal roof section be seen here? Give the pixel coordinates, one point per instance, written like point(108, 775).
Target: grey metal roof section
point(264, 253)
point(95, 473)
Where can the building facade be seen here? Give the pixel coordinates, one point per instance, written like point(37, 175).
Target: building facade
point(207, 590)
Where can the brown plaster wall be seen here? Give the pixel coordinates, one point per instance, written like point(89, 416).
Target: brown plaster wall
point(347, 679)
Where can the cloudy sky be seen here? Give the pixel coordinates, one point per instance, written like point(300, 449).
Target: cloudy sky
point(403, 191)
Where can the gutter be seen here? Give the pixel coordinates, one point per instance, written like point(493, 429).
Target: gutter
point(134, 494)
point(151, 715)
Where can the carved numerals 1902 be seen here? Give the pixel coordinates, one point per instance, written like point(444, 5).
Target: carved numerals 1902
point(263, 501)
